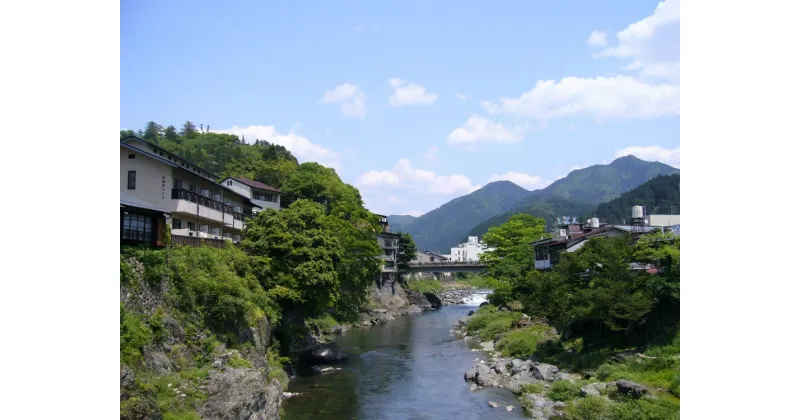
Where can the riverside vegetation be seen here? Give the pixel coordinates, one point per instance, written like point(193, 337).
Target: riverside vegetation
point(202, 330)
point(591, 339)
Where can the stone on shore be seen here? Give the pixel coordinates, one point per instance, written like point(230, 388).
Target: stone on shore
point(631, 388)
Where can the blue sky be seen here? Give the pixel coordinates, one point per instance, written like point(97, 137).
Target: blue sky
point(414, 102)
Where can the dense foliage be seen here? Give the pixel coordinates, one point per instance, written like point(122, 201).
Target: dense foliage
point(661, 195)
point(585, 314)
point(445, 227)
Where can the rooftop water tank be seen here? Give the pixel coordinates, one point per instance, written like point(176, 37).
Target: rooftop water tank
point(594, 222)
point(637, 212)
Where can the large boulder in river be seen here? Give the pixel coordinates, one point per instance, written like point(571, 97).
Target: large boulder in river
point(433, 299)
point(326, 353)
point(416, 298)
point(241, 394)
point(483, 375)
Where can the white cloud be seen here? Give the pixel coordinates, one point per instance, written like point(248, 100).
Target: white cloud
point(395, 200)
point(432, 154)
point(415, 213)
point(301, 147)
point(403, 175)
point(652, 44)
point(478, 129)
point(350, 98)
point(406, 93)
point(461, 97)
point(600, 97)
point(597, 39)
point(527, 181)
point(671, 157)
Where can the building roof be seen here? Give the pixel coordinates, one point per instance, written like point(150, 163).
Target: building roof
point(574, 238)
point(435, 254)
point(255, 184)
point(177, 162)
point(127, 200)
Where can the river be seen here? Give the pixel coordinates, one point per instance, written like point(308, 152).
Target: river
point(409, 368)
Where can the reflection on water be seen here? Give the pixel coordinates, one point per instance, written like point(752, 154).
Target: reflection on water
point(410, 368)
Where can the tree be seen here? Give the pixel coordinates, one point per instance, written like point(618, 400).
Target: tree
point(152, 131)
point(513, 255)
point(189, 130)
point(126, 133)
point(303, 252)
point(171, 134)
point(407, 250)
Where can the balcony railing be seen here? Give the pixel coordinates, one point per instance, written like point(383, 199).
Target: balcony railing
point(182, 194)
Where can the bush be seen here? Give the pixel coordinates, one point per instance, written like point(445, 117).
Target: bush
point(589, 408)
point(564, 391)
point(518, 343)
point(133, 336)
point(488, 321)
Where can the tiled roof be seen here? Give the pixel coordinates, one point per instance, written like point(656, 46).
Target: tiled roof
point(256, 184)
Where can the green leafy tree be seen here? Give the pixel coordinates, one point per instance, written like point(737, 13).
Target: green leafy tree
point(407, 250)
point(153, 131)
point(189, 130)
point(171, 134)
point(513, 256)
point(303, 253)
point(126, 133)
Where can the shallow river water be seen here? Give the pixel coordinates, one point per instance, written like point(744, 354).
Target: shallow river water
point(409, 368)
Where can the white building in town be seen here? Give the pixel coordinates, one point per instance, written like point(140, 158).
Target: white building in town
point(469, 251)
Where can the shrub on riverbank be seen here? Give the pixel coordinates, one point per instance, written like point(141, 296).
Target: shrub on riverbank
point(524, 342)
point(473, 280)
point(489, 321)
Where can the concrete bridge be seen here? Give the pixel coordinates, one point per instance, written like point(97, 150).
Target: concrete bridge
point(444, 267)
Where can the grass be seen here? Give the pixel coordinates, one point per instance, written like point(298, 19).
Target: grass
point(488, 321)
point(660, 368)
point(425, 286)
point(474, 280)
point(531, 389)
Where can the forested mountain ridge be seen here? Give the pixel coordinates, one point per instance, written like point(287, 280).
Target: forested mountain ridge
point(445, 226)
point(660, 195)
point(575, 195)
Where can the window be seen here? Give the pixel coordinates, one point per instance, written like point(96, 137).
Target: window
point(192, 188)
point(216, 197)
point(191, 226)
point(204, 193)
point(387, 252)
point(431, 259)
point(215, 231)
point(226, 235)
point(389, 264)
point(177, 184)
point(204, 228)
point(230, 183)
point(176, 224)
point(131, 156)
point(131, 180)
point(136, 227)
point(237, 238)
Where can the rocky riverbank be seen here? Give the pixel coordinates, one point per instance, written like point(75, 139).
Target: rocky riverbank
point(543, 389)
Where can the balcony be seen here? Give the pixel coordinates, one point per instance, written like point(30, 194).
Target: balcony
point(208, 208)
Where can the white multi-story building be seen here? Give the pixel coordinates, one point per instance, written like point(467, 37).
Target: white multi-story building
point(198, 206)
point(469, 251)
point(262, 194)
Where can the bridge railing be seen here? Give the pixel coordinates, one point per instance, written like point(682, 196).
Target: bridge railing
point(450, 263)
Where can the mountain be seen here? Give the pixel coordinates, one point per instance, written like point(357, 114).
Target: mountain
point(661, 195)
point(600, 183)
point(399, 223)
point(444, 227)
point(582, 190)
